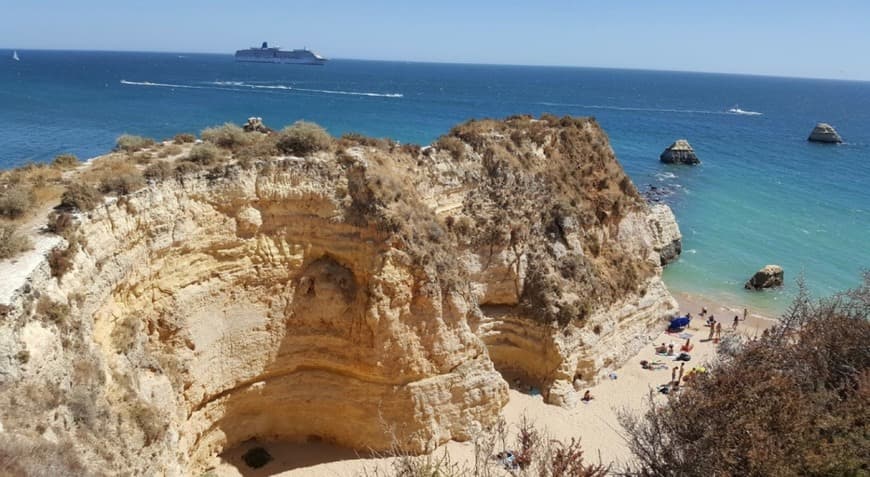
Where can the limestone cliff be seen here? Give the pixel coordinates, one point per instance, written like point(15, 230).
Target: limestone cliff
point(367, 294)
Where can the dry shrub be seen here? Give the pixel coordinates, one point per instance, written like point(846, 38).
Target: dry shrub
point(795, 402)
point(159, 171)
point(11, 242)
point(228, 136)
point(34, 456)
point(60, 259)
point(123, 184)
point(262, 148)
point(452, 144)
point(131, 143)
point(183, 169)
point(170, 150)
point(184, 138)
point(15, 201)
point(205, 154)
point(65, 161)
point(80, 196)
point(303, 138)
point(52, 311)
point(497, 453)
point(61, 223)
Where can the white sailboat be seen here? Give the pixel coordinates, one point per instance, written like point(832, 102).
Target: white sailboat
point(15, 56)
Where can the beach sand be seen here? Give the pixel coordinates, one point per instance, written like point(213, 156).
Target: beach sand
point(595, 423)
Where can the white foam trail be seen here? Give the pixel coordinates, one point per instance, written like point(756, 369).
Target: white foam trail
point(629, 108)
point(308, 90)
point(161, 85)
point(741, 112)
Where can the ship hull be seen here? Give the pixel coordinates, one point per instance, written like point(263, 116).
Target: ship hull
point(292, 61)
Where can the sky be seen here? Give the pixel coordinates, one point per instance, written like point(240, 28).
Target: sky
point(768, 37)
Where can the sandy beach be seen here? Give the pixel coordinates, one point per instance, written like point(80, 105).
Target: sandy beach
point(595, 423)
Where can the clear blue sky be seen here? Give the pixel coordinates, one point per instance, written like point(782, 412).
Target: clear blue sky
point(827, 39)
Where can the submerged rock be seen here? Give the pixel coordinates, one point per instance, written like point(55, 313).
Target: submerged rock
point(768, 277)
point(680, 152)
point(824, 132)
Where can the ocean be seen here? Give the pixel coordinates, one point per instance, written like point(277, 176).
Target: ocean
point(762, 194)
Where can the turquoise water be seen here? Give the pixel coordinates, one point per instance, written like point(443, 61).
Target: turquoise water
point(762, 195)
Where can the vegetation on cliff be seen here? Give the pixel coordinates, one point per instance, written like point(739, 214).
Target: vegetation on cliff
point(795, 402)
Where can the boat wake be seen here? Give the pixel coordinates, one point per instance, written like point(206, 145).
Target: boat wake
point(740, 112)
point(307, 90)
point(635, 109)
point(242, 86)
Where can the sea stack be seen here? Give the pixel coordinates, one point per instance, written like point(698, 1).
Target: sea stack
point(825, 133)
point(680, 152)
point(768, 277)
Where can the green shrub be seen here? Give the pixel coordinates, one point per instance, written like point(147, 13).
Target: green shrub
point(15, 201)
point(205, 154)
point(66, 161)
point(184, 138)
point(228, 136)
point(80, 196)
point(131, 143)
point(303, 138)
point(11, 242)
point(183, 169)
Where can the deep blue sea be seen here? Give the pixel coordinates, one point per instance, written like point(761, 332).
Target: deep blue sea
point(762, 195)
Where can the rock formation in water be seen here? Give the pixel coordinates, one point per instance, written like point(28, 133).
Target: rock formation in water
point(368, 294)
point(825, 133)
point(680, 152)
point(768, 277)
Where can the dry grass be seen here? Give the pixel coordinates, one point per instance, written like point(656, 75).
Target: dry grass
point(184, 138)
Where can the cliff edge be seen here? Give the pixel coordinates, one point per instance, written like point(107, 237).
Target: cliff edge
point(357, 291)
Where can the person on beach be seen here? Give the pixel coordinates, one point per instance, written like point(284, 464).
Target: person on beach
point(703, 311)
point(661, 349)
point(671, 349)
point(745, 312)
point(587, 396)
point(711, 321)
point(680, 377)
point(688, 346)
point(718, 331)
point(712, 331)
point(674, 374)
point(734, 325)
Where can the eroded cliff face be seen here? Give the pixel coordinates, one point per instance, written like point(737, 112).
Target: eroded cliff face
point(370, 295)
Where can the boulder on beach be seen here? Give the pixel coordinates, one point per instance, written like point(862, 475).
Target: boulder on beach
point(680, 152)
point(824, 132)
point(768, 277)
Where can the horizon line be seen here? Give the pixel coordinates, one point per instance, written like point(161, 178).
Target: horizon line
point(472, 63)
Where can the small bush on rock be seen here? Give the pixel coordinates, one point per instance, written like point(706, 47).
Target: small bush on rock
point(11, 242)
point(122, 184)
point(184, 138)
point(205, 155)
point(80, 196)
point(15, 201)
point(66, 161)
point(303, 138)
point(131, 143)
point(228, 136)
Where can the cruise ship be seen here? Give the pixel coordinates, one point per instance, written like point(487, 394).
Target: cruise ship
point(273, 54)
